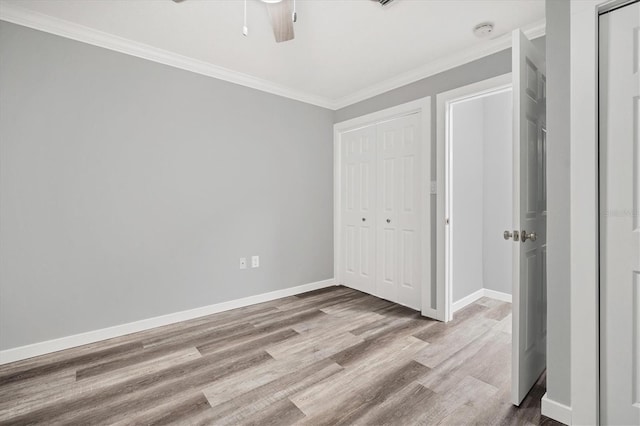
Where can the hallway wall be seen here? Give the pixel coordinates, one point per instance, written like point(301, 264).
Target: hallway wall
point(467, 189)
point(482, 189)
point(497, 192)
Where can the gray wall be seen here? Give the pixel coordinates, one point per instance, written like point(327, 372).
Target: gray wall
point(467, 131)
point(490, 66)
point(558, 197)
point(497, 192)
point(129, 189)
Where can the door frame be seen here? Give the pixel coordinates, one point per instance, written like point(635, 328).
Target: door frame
point(423, 107)
point(444, 262)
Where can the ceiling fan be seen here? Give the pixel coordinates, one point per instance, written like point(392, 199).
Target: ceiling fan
point(282, 14)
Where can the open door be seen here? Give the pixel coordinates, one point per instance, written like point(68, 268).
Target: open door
point(529, 217)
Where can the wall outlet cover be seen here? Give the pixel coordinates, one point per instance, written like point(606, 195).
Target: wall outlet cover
point(243, 263)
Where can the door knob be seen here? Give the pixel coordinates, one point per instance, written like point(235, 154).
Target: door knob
point(364, 219)
point(530, 236)
point(388, 220)
point(515, 235)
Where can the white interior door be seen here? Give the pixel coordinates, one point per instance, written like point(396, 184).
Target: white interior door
point(359, 208)
point(398, 224)
point(529, 209)
point(619, 216)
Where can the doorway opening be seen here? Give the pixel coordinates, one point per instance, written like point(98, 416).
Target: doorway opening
point(479, 198)
point(489, 172)
point(475, 155)
point(524, 233)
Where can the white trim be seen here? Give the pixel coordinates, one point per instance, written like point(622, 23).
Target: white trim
point(555, 410)
point(584, 211)
point(423, 107)
point(41, 348)
point(419, 105)
point(498, 295)
point(434, 67)
point(28, 18)
point(467, 300)
point(477, 295)
point(444, 101)
point(42, 22)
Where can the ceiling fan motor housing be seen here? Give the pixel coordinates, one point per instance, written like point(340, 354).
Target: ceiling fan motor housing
point(383, 2)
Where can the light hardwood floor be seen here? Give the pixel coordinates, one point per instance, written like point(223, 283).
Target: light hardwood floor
point(331, 356)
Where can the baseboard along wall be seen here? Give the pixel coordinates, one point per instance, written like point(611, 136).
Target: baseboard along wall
point(67, 342)
point(483, 292)
point(555, 410)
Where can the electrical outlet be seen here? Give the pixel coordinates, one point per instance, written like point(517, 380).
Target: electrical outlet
point(255, 261)
point(243, 263)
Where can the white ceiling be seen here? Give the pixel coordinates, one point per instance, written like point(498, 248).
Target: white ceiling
point(342, 47)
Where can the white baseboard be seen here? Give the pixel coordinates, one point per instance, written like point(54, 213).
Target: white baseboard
point(483, 292)
point(467, 300)
point(41, 348)
point(556, 410)
point(498, 295)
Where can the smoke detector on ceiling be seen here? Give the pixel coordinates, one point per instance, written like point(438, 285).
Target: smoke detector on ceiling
point(483, 30)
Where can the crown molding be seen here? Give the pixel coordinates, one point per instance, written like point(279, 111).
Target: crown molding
point(443, 64)
point(74, 31)
point(38, 21)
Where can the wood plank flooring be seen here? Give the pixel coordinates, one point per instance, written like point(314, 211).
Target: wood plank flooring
point(331, 356)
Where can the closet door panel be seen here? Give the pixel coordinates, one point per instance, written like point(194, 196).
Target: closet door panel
point(398, 255)
point(409, 213)
point(359, 208)
point(386, 225)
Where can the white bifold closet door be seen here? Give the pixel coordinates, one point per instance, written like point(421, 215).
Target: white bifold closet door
point(620, 216)
point(381, 210)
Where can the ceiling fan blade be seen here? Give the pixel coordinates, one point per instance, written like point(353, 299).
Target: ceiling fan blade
point(280, 15)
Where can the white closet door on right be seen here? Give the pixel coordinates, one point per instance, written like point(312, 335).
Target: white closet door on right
point(620, 216)
point(398, 219)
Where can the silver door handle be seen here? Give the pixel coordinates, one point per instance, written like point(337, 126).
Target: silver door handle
point(515, 235)
point(530, 236)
